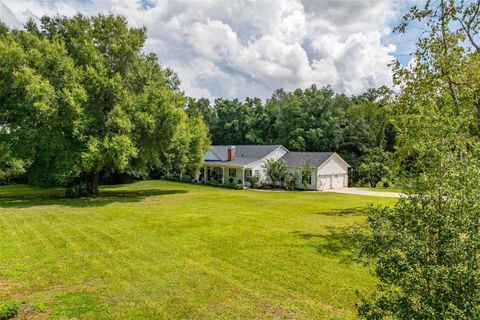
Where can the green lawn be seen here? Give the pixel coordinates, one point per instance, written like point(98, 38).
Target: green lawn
point(169, 250)
point(381, 189)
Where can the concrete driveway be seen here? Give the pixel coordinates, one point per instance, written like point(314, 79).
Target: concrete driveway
point(363, 192)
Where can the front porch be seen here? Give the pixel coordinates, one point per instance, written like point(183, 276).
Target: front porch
point(225, 174)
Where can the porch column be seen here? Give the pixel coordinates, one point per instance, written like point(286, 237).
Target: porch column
point(243, 177)
point(223, 175)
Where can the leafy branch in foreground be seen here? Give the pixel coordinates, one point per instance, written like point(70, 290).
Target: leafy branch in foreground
point(425, 251)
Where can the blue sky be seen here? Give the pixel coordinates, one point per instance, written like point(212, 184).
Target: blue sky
point(236, 49)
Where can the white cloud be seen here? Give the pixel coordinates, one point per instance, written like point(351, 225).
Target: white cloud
point(246, 48)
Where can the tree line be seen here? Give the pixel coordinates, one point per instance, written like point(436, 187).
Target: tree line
point(314, 119)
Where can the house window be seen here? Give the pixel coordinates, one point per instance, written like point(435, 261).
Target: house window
point(309, 180)
point(248, 174)
point(232, 172)
point(217, 174)
point(257, 173)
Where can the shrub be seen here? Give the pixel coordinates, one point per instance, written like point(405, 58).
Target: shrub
point(306, 173)
point(231, 186)
point(230, 180)
point(77, 191)
point(9, 309)
point(253, 181)
point(291, 181)
point(264, 185)
point(276, 170)
point(239, 181)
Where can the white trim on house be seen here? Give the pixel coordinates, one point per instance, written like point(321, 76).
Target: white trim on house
point(338, 157)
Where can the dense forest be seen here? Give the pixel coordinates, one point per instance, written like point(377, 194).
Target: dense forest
point(313, 119)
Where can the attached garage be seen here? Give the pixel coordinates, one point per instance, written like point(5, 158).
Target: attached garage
point(333, 173)
point(330, 170)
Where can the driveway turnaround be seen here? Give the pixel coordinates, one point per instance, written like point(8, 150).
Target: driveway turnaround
point(363, 192)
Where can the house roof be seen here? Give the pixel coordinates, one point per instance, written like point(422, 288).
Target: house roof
point(315, 159)
point(239, 162)
point(246, 154)
point(250, 152)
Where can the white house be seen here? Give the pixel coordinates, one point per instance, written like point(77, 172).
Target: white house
point(235, 164)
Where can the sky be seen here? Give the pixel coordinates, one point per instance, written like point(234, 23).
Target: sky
point(238, 49)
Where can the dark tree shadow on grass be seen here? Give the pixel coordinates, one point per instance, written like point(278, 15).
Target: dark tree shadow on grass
point(106, 197)
point(342, 243)
point(359, 211)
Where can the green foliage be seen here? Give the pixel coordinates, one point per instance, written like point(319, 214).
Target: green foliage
point(425, 250)
point(291, 179)
point(373, 169)
point(238, 186)
point(9, 309)
point(253, 180)
point(439, 101)
point(276, 171)
point(305, 173)
point(10, 167)
point(80, 99)
point(77, 190)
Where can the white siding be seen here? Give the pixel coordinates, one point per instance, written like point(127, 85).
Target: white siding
point(333, 166)
point(333, 174)
point(299, 185)
point(260, 164)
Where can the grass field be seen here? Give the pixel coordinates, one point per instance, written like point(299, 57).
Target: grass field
point(168, 250)
point(381, 189)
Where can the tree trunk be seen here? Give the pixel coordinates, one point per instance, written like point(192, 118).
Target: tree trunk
point(94, 182)
point(84, 186)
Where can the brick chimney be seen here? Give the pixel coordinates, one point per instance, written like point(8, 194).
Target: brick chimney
point(231, 153)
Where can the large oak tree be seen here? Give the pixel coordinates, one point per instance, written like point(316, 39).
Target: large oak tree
point(79, 98)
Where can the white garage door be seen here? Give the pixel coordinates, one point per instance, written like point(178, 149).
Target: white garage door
point(331, 181)
point(338, 181)
point(324, 182)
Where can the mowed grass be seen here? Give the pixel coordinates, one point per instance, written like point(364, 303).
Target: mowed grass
point(381, 189)
point(169, 250)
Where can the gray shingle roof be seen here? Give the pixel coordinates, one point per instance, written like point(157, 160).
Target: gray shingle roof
point(252, 152)
point(239, 162)
point(249, 153)
point(316, 159)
